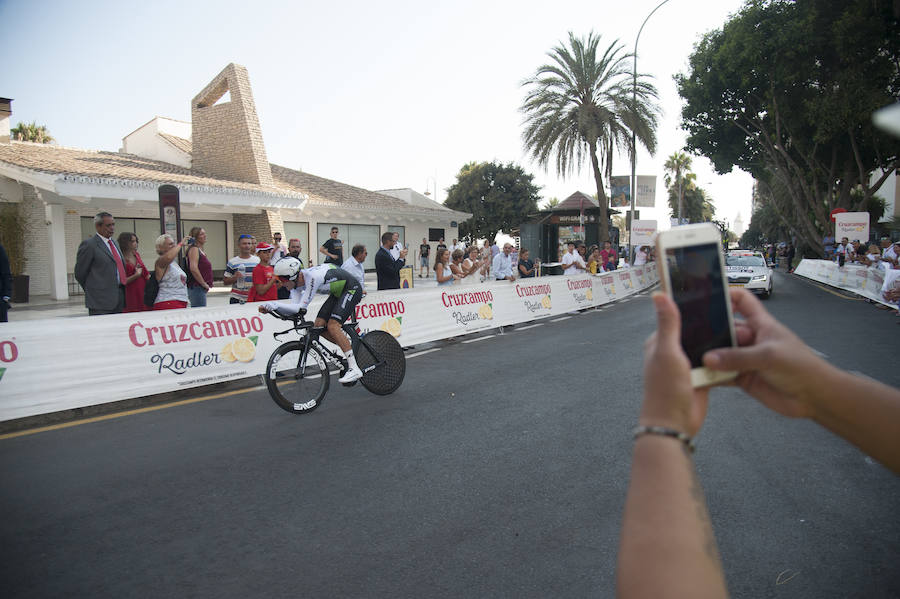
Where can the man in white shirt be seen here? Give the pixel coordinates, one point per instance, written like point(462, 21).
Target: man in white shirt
point(843, 251)
point(280, 250)
point(455, 246)
point(503, 265)
point(398, 247)
point(354, 264)
point(572, 261)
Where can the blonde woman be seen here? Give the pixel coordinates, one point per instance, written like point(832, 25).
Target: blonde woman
point(172, 279)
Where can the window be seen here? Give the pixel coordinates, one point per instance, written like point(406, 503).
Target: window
point(401, 230)
point(300, 231)
point(147, 230)
point(368, 235)
point(436, 235)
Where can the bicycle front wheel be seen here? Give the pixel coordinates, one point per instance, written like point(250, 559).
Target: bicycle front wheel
point(297, 386)
point(382, 361)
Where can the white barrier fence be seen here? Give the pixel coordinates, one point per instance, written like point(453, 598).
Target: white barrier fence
point(60, 364)
point(866, 281)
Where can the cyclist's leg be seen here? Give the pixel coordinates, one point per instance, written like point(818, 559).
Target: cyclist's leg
point(341, 310)
point(322, 318)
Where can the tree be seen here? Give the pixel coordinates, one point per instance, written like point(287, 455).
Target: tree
point(581, 103)
point(785, 91)
point(766, 226)
point(696, 205)
point(678, 168)
point(498, 196)
point(551, 203)
point(33, 132)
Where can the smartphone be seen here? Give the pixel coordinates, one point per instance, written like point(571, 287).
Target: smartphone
point(692, 269)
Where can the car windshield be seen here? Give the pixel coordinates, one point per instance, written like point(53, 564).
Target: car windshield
point(744, 261)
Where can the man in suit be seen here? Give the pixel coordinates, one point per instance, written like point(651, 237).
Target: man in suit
point(100, 268)
point(388, 269)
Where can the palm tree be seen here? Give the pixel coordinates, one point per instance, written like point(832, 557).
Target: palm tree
point(581, 101)
point(33, 132)
point(678, 164)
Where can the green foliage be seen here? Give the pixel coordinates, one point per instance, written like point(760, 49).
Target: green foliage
point(498, 196)
point(697, 208)
point(551, 203)
point(12, 235)
point(765, 227)
point(32, 132)
point(581, 105)
point(785, 91)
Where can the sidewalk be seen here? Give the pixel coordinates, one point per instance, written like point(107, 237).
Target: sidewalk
point(42, 306)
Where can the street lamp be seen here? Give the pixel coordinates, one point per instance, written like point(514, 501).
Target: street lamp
point(633, 140)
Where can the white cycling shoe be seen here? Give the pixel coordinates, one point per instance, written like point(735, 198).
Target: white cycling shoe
point(352, 374)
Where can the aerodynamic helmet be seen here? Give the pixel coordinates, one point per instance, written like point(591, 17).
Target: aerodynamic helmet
point(287, 267)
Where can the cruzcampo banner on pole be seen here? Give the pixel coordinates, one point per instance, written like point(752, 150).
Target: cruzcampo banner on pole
point(59, 364)
point(852, 225)
point(644, 232)
point(646, 191)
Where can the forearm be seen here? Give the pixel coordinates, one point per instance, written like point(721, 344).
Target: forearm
point(667, 544)
point(863, 411)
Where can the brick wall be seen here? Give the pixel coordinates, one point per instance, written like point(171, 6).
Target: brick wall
point(227, 140)
point(260, 225)
point(37, 261)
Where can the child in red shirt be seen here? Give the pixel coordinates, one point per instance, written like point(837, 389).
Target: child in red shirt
point(263, 288)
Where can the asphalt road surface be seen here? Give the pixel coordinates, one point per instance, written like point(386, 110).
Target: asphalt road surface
point(499, 469)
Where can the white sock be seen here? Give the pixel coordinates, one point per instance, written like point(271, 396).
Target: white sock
point(351, 360)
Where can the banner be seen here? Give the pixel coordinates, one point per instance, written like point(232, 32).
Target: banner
point(646, 191)
point(867, 281)
point(64, 363)
point(852, 225)
point(644, 232)
point(620, 191)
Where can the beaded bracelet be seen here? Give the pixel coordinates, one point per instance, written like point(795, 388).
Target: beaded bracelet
point(664, 432)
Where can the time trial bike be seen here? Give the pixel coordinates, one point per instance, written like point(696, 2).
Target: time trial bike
point(298, 372)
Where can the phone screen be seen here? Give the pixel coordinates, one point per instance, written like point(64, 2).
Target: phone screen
point(699, 292)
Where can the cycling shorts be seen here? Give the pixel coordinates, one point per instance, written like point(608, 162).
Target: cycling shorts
point(340, 307)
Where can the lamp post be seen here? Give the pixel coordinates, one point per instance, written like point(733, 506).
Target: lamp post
point(633, 137)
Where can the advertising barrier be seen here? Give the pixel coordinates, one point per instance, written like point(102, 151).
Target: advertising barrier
point(866, 281)
point(60, 364)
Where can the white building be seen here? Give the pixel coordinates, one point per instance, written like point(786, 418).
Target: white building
point(226, 185)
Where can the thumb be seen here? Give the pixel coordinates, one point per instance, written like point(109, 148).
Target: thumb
point(668, 320)
point(754, 357)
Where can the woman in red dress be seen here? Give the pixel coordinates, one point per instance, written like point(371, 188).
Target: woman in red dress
point(136, 274)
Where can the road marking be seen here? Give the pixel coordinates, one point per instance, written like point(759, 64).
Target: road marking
point(479, 339)
point(423, 352)
point(531, 326)
point(827, 290)
point(183, 402)
point(561, 318)
point(818, 353)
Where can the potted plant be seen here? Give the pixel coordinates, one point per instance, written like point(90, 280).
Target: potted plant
point(12, 236)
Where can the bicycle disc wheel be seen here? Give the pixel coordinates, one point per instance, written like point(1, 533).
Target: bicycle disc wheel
point(295, 387)
point(387, 377)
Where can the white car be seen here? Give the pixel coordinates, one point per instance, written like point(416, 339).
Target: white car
point(748, 269)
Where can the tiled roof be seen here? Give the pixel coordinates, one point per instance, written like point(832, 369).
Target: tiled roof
point(327, 192)
point(56, 160)
point(179, 142)
point(576, 201)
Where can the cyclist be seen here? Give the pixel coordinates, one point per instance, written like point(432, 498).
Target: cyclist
point(343, 290)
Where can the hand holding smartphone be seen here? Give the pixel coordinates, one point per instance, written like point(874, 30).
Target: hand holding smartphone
point(692, 272)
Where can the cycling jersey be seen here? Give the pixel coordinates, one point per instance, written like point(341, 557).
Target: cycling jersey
point(326, 278)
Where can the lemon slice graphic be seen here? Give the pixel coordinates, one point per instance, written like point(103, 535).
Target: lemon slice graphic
point(226, 353)
point(486, 312)
point(589, 294)
point(545, 301)
point(243, 349)
point(392, 326)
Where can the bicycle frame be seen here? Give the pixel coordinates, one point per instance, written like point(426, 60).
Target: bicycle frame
point(311, 333)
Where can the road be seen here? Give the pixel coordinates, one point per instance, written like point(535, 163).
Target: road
point(499, 469)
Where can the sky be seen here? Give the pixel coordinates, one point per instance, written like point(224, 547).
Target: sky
point(381, 95)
